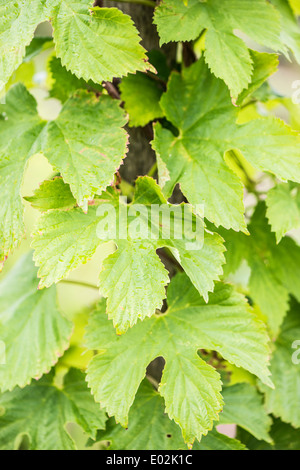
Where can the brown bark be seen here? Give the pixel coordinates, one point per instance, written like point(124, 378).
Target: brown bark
point(140, 157)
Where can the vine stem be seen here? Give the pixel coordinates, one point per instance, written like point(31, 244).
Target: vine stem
point(79, 283)
point(147, 3)
point(153, 170)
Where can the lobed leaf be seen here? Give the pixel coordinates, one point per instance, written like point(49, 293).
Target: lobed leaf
point(63, 240)
point(87, 144)
point(274, 268)
point(244, 407)
point(283, 209)
point(32, 328)
point(53, 194)
point(64, 84)
point(199, 106)
point(141, 95)
point(283, 401)
point(96, 44)
point(42, 410)
point(17, 25)
point(190, 387)
point(225, 53)
point(149, 428)
point(20, 130)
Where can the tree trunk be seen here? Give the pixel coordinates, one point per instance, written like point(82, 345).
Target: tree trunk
point(140, 157)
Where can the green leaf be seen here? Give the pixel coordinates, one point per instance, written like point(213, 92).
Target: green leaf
point(87, 144)
point(216, 441)
point(295, 5)
point(226, 54)
point(42, 411)
point(141, 95)
point(18, 22)
point(158, 59)
point(284, 437)
point(199, 106)
point(190, 387)
point(275, 269)
point(37, 45)
point(20, 128)
point(33, 330)
point(285, 264)
point(63, 240)
point(270, 145)
point(149, 428)
point(294, 111)
point(133, 279)
point(24, 74)
point(96, 43)
point(283, 401)
point(268, 293)
point(283, 209)
point(53, 194)
point(264, 65)
point(290, 32)
point(64, 83)
point(2, 353)
point(243, 406)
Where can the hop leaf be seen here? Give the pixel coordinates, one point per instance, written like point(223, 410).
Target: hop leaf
point(18, 21)
point(86, 153)
point(86, 143)
point(199, 106)
point(96, 43)
point(290, 33)
point(149, 428)
point(274, 268)
point(53, 194)
point(283, 400)
point(41, 409)
point(226, 54)
point(141, 96)
point(190, 387)
point(20, 129)
point(283, 209)
point(243, 405)
point(33, 330)
point(63, 240)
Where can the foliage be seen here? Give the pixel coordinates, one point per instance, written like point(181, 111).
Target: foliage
point(218, 299)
